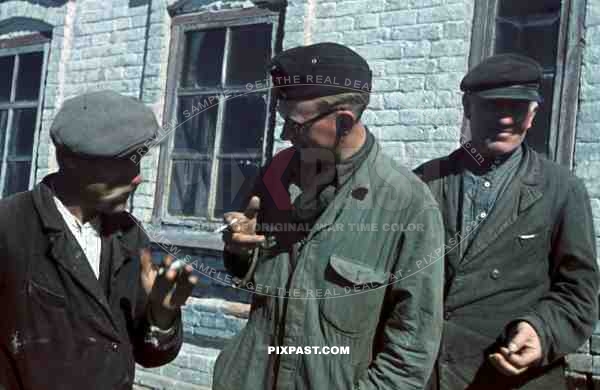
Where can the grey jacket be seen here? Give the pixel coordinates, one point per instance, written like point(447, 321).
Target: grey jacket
point(376, 291)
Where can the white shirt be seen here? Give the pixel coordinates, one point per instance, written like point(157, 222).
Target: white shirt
point(87, 235)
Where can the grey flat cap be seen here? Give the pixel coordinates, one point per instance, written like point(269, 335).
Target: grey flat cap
point(103, 124)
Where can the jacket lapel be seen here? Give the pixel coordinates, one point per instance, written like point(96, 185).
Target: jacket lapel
point(451, 194)
point(66, 252)
point(356, 189)
point(115, 232)
point(522, 193)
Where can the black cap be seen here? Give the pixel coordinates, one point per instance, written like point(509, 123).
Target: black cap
point(505, 76)
point(323, 69)
point(103, 124)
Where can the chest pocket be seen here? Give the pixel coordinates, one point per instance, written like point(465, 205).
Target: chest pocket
point(533, 241)
point(46, 319)
point(354, 294)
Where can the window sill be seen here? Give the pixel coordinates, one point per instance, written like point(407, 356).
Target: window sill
point(182, 236)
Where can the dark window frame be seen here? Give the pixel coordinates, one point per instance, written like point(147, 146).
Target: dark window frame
point(17, 46)
point(569, 58)
point(180, 25)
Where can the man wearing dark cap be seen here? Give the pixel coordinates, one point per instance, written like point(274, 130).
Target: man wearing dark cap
point(82, 300)
point(333, 268)
point(322, 247)
point(521, 274)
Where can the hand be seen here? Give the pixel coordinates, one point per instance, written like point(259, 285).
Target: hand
point(167, 289)
point(524, 351)
point(241, 237)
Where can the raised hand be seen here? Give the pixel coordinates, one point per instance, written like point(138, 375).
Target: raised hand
point(167, 286)
point(241, 237)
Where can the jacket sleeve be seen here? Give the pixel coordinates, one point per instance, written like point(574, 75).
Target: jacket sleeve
point(412, 332)
point(564, 318)
point(8, 371)
point(152, 349)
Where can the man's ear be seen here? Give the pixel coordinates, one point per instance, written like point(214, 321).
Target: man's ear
point(344, 122)
point(466, 102)
point(531, 113)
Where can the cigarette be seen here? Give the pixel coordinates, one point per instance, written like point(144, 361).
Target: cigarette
point(226, 226)
point(176, 265)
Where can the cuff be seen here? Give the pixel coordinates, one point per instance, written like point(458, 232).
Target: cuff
point(538, 325)
point(163, 339)
point(242, 277)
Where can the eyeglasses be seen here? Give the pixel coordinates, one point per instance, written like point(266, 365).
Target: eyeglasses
point(292, 127)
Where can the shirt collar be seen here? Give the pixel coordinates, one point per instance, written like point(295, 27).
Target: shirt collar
point(346, 168)
point(72, 221)
point(492, 167)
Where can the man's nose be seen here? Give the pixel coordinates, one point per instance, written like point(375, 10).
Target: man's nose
point(507, 121)
point(136, 180)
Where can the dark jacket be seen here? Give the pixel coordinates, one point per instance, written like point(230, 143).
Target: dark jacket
point(533, 259)
point(344, 285)
point(61, 327)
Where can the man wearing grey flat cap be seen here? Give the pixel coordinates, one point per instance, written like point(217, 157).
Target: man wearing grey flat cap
point(521, 274)
point(341, 272)
point(83, 301)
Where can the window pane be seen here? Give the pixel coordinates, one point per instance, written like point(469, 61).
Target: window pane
point(6, 74)
point(17, 177)
point(535, 36)
point(244, 124)
point(249, 53)
point(203, 58)
point(190, 181)
point(235, 179)
point(531, 28)
point(3, 123)
point(197, 121)
point(537, 136)
point(30, 75)
point(520, 7)
point(21, 139)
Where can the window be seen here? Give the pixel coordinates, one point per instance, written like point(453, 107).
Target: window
point(548, 31)
point(217, 140)
point(21, 79)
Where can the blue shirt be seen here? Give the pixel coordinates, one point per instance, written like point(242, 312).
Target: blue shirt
point(481, 187)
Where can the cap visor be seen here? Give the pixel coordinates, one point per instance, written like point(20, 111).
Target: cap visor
point(511, 93)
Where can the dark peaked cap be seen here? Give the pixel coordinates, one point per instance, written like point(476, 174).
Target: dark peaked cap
point(505, 76)
point(103, 124)
point(322, 69)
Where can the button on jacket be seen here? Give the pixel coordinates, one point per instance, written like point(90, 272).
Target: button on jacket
point(61, 327)
point(391, 326)
point(533, 259)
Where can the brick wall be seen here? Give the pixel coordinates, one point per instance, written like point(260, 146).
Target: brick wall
point(418, 50)
point(60, 18)
point(102, 45)
point(584, 367)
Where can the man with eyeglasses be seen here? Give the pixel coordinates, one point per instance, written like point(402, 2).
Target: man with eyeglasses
point(321, 246)
point(521, 274)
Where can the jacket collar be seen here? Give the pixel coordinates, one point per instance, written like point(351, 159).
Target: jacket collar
point(64, 249)
point(530, 170)
point(522, 193)
point(119, 226)
point(355, 189)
